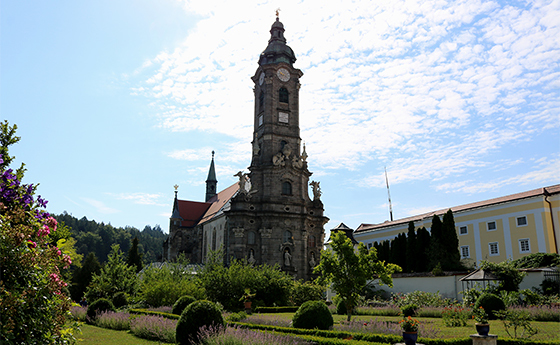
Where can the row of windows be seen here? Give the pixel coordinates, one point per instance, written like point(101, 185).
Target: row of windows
point(491, 226)
point(494, 248)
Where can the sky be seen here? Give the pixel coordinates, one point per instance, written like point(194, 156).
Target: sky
point(117, 101)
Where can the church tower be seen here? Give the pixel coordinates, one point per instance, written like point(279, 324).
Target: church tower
point(272, 219)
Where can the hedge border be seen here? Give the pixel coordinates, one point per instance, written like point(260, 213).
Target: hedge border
point(382, 338)
point(272, 310)
point(157, 313)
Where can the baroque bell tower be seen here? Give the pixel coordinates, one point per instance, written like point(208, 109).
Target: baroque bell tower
point(272, 219)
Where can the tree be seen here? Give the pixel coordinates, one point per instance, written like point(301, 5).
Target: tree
point(33, 302)
point(411, 252)
point(422, 243)
point(115, 276)
point(450, 244)
point(134, 258)
point(436, 247)
point(82, 276)
point(349, 271)
point(510, 277)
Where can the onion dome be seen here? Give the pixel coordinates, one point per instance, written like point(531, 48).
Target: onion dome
point(277, 50)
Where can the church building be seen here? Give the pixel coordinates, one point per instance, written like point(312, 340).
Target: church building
point(267, 217)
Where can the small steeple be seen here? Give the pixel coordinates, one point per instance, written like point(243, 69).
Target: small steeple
point(175, 213)
point(211, 182)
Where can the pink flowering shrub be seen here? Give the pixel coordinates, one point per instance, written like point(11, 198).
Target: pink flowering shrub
point(33, 303)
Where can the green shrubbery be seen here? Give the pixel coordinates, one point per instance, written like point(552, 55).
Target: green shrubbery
point(182, 303)
point(409, 310)
point(120, 300)
point(97, 307)
point(313, 314)
point(341, 308)
point(491, 304)
point(195, 316)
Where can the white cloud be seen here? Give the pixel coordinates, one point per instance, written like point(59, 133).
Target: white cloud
point(100, 206)
point(142, 198)
point(437, 86)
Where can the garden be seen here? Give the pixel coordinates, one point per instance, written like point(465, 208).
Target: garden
point(240, 303)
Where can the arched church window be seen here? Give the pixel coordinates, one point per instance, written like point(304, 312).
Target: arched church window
point(261, 101)
point(311, 241)
point(283, 95)
point(288, 238)
point(282, 144)
point(251, 237)
point(286, 188)
point(214, 239)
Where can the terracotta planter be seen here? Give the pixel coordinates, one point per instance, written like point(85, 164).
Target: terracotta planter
point(410, 337)
point(248, 305)
point(482, 328)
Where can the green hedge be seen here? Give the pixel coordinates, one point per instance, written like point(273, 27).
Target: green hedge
point(158, 313)
point(336, 336)
point(271, 310)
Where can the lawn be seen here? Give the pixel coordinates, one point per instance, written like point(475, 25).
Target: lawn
point(92, 335)
point(549, 331)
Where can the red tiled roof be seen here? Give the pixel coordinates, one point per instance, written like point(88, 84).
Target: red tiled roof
point(194, 212)
point(219, 201)
point(191, 211)
point(555, 189)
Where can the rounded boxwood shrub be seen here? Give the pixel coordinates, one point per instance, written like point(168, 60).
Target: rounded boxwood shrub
point(120, 300)
point(341, 308)
point(195, 316)
point(182, 303)
point(409, 310)
point(98, 307)
point(313, 314)
point(491, 303)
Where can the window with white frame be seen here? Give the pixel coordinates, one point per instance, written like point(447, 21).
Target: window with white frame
point(524, 245)
point(463, 230)
point(465, 252)
point(493, 248)
point(491, 226)
point(522, 221)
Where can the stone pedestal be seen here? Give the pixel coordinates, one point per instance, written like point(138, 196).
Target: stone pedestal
point(490, 339)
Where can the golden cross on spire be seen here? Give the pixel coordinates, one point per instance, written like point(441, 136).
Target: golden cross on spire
point(176, 187)
point(277, 12)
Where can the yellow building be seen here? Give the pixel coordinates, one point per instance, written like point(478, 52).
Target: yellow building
point(509, 227)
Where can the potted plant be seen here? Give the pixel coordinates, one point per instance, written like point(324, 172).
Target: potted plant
point(246, 298)
point(481, 321)
point(410, 330)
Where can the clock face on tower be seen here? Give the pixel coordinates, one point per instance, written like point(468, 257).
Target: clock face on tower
point(283, 74)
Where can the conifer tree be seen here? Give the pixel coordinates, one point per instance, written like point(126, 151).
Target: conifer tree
point(134, 258)
point(411, 256)
point(436, 243)
point(450, 243)
point(422, 245)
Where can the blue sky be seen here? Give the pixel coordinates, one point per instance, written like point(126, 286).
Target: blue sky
point(117, 101)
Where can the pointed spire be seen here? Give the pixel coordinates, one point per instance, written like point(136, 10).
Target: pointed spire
point(211, 181)
point(175, 213)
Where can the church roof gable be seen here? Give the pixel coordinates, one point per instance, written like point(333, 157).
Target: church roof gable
point(191, 211)
point(218, 202)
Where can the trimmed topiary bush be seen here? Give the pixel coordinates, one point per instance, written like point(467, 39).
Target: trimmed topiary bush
point(341, 308)
point(195, 316)
point(313, 314)
point(491, 303)
point(409, 310)
point(98, 307)
point(120, 300)
point(181, 304)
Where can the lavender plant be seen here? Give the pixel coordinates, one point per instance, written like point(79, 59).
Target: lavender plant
point(112, 320)
point(425, 329)
point(271, 320)
point(239, 336)
point(154, 328)
point(78, 313)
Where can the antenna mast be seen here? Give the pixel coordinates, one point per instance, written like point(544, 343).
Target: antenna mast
point(389, 194)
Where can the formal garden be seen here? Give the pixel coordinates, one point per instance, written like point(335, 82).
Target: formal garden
point(240, 303)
